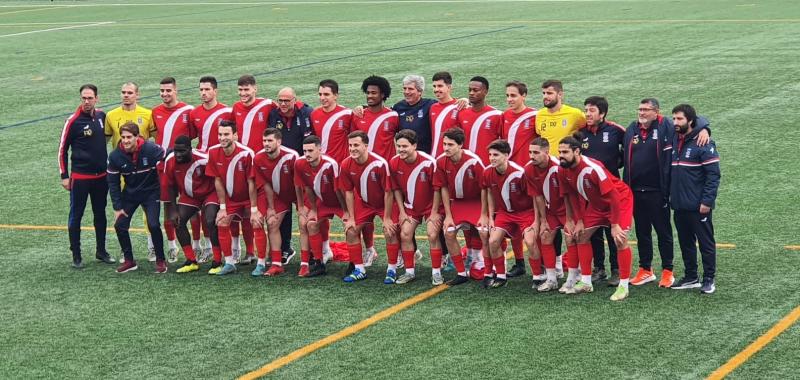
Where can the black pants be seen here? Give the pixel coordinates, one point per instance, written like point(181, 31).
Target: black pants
point(599, 251)
point(152, 208)
point(694, 227)
point(286, 231)
point(649, 212)
point(97, 190)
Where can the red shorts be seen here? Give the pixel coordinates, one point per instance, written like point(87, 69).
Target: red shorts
point(198, 202)
point(555, 221)
point(468, 212)
point(596, 218)
point(418, 217)
point(238, 210)
point(261, 202)
point(366, 214)
point(162, 180)
point(324, 211)
point(513, 223)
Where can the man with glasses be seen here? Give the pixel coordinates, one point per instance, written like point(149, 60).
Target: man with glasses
point(647, 153)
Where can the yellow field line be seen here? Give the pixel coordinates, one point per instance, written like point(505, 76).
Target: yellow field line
point(346, 332)
point(337, 235)
point(792, 247)
point(756, 346)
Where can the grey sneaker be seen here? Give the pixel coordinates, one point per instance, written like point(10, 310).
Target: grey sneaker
point(172, 255)
point(151, 255)
point(613, 280)
point(599, 275)
point(369, 256)
point(437, 279)
point(708, 286)
point(205, 255)
point(547, 286)
point(405, 278)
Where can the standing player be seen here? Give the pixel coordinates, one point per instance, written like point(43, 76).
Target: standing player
point(541, 176)
point(171, 118)
point(507, 207)
point(458, 178)
point(273, 170)
point(315, 175)
point(379, 122)
point(593, 198)
point(331, 121)
point(557, 120)
point(411, 175)
point(206, 117)
point(602, 140)
point(519, 122)
point(442, 114)
point(135, 161)
point(481, 123)
point(185, 172)
point(250, 114)
point(363, 179)
point(230, 163)
point(83, 134)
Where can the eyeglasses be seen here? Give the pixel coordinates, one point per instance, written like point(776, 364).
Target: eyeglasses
point(646, 109)
point(285, 100)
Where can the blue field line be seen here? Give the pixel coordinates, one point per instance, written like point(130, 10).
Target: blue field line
point(65, 115)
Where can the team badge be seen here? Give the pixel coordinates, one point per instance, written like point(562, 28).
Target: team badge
point(488, 124)
point(419, 114)
point(512, 187)
point(563, 122)
point(655, 134)
point(141, 121)
point(386, 126)
point(688, 152)
point(423, 177)
point(528, 124)
point(186, 118)
point(605, 137)
point(285, 169)
point(240, 166)
point(144, 161)
point(373, 177)
point(325, 180)
point(341, 123)
point(261, 116)
point(587, 184)
point(471, 174)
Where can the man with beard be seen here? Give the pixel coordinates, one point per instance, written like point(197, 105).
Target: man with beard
point(135, 161)
point(557, 120)
point(593, 198)
point(694, 181)
point(190, 191)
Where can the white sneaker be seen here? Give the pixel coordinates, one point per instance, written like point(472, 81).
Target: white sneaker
point(151, 255)
point(437, 279)
point(327, 255)
point(172, 255)
point(405, 278)
point(370, 254)
point(236, 253)
point(547, 286)
point(566, 288)
point(205, 255)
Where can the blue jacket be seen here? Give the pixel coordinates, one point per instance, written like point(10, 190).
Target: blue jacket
point(83, 135)
point(138, 170)
point(417, 118)
point(695, 174)
point(646, 156)
point(293, 130)
point(604, 145)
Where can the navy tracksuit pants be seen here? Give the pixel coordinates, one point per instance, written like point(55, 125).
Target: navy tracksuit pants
point(696, 228)
point(651, 212)
point(152, 208)
point(82, 190)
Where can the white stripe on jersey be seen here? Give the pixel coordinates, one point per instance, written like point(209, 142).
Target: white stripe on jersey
point(364, 180)
point(210, 122)
point(232, 167)
point(459, 180)
point(169, 126)
point(276, 171)
point(411, 185)
point(188, 179)
point(248, 120)
point(326, 129)
point(376, 125)
point(476, 127)
point(506, 189)
point(512, 132)
point(326, 162)
point(437, 127)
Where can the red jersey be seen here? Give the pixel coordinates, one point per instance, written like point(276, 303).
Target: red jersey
point(591, 186)
point(189, 178)
point(234, 170)
point(171, 123)
point(462, 179)
point(544, 182)
point(480, 129)
point(519, 129)
point(251, 121)
point(508, 190)
point(279, 173)
point(332, 128)
point(367, 181)
point(321, 179)
point(443, 117)
point(414, 180)
point(380, 127)
point(206, 123)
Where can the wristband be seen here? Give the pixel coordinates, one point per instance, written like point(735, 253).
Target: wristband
point(253, 210)
point(222, 207)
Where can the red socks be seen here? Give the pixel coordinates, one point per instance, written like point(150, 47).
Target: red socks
point(624, 260)
point(316, 246)
point(305, 256)
point(392, 251)
point(458, 262)
point(585, 256)
point(356, 254)
point(224, 240)
point(169, 228)
point(548, 255)
point(436, 258)
point(189, 253)
point(195, 223)
point(408, 259)
point(571, 258)
point(276, 257)
point(260, 238)
point(500, 265)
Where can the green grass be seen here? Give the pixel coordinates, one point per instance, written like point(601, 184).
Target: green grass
point(735, 61)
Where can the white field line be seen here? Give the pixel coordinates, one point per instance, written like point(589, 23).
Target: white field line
point(53, 29)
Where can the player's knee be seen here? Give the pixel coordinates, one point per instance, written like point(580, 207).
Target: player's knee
point(352, 236)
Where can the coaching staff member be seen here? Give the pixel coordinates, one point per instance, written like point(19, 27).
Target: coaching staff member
point(135, 161)
point(694, 180)
point(83, 134)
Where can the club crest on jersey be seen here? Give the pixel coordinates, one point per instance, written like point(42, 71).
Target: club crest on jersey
point(285, 169)
point(144, 161)
point(423, 177)
point(373, 177)
point(410, 118)
point(419, 115)
point(688, 152)
point(488, 124)
point(325, 180)
point(587, 184)
point(563, 122)
point(471, 174)
point(240, 166)
point(141, 121)
point(554, 181)
point(386, 126)
point(87, 130)
point(528, 124)
point(197, 172)
point(655, 134)
point(260, 116)
point(341, 123)
point(186, 118)
point(512, 187)
point(605, 137)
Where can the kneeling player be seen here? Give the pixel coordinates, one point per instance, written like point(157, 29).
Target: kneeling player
point(185, 174)
point(315, 176)
point(594, 198)
point(457, 176)
point(541, 177)
point(363, 180)
point(410, 181)
point(506, 206)
point(273, 170)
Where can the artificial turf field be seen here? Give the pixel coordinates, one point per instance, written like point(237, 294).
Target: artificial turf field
point(736, 61)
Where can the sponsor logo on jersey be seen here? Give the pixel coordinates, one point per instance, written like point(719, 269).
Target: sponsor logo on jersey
point(87, 130)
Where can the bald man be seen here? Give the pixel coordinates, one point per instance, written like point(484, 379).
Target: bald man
point(293, 118)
